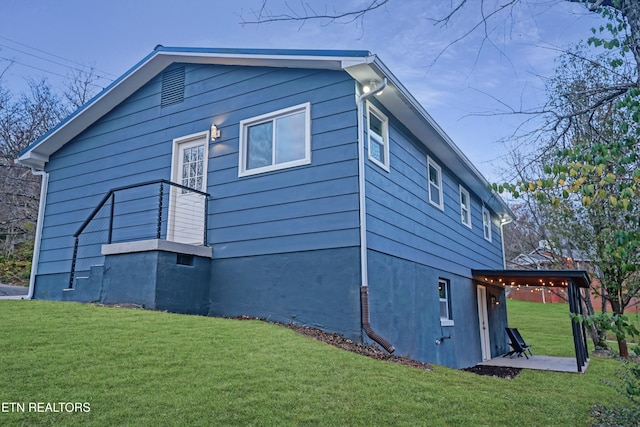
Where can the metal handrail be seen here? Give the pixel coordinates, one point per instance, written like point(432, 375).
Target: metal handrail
point(111, 195)
point(129, 187)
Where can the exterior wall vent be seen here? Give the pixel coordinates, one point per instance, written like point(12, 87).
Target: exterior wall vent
point(183, 259)
point(172, 87)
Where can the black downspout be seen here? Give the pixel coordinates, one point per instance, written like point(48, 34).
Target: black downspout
point(364, 302)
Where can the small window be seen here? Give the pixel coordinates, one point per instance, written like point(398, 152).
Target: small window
point(486, 223)
point(277, 140)
point(378, 147)
point(434, 174)
point(465, 207)
point(444, 290)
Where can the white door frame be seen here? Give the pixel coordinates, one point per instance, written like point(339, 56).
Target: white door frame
point(483, 320)
point(173, 232)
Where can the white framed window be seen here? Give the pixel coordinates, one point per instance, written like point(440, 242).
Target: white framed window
point(378, 137)
point(277, 140)
point(465, 207)
point(444, 292)
point(434, 176)
point(486, 223)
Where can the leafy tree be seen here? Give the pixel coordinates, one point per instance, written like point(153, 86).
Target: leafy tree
point(591, 169)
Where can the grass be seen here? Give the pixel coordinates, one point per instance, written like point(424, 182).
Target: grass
point(139, 367)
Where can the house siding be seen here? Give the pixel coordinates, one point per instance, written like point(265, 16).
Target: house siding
point(412, 243)
point(304, 208)
point(401, 222)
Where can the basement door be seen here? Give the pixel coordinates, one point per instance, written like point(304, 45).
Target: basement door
point(483, 320)
point(186, 208)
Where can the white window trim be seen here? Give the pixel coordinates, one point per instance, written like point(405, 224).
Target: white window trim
point(177, 178)
point(448, 321)
point(385, 136)
point(175, 156)
point(244, 124)
point(467, 206)
point(486, 214)
point(430, 162)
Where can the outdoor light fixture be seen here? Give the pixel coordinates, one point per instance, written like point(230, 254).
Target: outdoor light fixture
point(215, 133)
point(372, 84)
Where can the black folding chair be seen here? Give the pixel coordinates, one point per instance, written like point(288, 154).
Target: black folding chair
point(519, 347)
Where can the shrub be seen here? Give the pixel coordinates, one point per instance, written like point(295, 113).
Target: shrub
point(620, 415)
point(15, 268)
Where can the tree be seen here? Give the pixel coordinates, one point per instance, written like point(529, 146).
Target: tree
point(586, 175)
point(24, 119)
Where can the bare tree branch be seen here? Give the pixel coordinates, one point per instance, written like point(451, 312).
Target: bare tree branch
point(263, 15)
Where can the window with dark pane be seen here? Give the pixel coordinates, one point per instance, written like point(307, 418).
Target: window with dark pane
point(274, 141)
point(377, 138)
point(434, 185)
point(443, 290)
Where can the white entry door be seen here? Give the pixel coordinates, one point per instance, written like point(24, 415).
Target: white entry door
point(483, 318)
point(186, 208)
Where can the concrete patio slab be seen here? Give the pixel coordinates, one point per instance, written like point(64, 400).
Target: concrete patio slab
point(542, 363)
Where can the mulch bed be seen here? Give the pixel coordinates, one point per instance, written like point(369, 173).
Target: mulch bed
point(376, 352)
point(494, 371)
point(337, 340)
point(343, 343)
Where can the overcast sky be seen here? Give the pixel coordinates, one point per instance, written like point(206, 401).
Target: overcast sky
point(455, 83)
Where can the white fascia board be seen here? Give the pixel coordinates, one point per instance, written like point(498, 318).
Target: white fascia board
point(263, 60)
point(32, 160)
point(94, 110)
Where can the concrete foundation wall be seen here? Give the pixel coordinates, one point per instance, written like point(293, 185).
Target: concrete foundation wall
point(314, 288)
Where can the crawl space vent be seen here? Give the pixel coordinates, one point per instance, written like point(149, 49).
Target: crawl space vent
point(172, 87)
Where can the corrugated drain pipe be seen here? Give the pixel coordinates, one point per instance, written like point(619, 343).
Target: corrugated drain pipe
point(364, 289)
point(364, 303)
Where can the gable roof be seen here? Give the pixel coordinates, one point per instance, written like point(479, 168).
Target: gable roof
point(363, 66)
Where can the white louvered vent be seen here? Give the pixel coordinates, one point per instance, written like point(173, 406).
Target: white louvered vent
point(172, 87)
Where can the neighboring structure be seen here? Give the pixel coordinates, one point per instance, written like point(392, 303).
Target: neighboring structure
point(322, 194)
point(541, 258)
point(545, 258)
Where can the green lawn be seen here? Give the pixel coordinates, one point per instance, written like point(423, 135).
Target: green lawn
point(139, 367)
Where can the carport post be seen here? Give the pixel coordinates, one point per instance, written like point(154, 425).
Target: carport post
point(579, 334)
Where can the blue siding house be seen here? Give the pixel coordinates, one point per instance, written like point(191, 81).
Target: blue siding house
point(296, 186)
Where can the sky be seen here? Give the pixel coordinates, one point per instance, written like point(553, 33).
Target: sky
point(466, 79)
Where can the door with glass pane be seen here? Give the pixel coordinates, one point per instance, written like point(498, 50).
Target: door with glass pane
point(186, 208)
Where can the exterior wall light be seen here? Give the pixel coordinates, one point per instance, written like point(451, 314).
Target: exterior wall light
point(215, 133)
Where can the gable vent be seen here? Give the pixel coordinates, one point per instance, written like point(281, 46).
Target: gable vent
point(172, 87)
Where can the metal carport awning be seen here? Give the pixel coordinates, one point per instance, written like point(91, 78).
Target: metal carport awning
point(572, 280)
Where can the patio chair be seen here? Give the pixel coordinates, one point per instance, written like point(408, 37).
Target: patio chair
point(519, 347)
